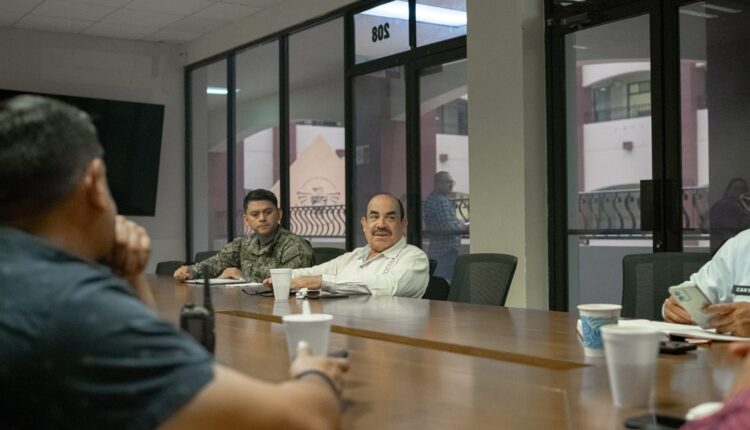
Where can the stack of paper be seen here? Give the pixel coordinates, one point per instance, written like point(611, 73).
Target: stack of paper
point(228, 282)
point(692, 331)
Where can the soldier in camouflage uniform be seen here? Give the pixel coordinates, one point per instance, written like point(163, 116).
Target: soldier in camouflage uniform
point(251, 257)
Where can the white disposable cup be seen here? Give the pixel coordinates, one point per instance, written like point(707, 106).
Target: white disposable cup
point(312, 328)
point(592, 317)
point(631, 353)
point(281, 279)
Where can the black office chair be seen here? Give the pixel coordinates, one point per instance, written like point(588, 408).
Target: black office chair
point(323, 254)
point(433, 266)
point(437, 289)
point(202, 255)
point(646, 279)
point(482, 278)
point(168, 267)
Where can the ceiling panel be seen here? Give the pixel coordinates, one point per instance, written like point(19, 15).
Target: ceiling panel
point(58, 25)
point(18, 6)
point(226, 11)
point(8, 19)
point(168, 21)
point(118, 31)
point(72, 10)
point(141, 18)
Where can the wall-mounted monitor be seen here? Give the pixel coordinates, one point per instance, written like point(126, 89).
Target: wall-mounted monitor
point(131, 136)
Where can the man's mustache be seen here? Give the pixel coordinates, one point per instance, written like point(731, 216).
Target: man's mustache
point(381, 230)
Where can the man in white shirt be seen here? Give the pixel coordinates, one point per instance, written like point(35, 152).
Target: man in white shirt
point(726, 282)
point(387, 265)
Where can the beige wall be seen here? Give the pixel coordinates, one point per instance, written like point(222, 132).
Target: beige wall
point(507, 139)
point(98, 67)
point(507, 148)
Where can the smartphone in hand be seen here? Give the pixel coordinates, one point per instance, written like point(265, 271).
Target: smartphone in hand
point(693, 299)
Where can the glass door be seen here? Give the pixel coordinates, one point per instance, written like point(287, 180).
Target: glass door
point(715, 111)
point(379, 139)
point(608, 153)
point(444, 169)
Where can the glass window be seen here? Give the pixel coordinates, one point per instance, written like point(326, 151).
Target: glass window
point(715, 111)
point(445, 164)
point(381, 31)
point(316, 134)
point(208, 95)
point(257, 124)
point(440, 20)
point(608, 96)
point(379, 139)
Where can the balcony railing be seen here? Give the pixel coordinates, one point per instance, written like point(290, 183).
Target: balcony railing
point(330, 221)
point(326, 221)
point(461, 205)
point(318, 221)
point(632, 111)
point(618, 212)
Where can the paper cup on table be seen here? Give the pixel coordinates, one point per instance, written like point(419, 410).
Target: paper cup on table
point(631, 354)
point(281, 279)
point(592, 318)
point(312, 328)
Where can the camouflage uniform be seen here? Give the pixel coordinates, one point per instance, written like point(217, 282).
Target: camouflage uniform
point(255, 260)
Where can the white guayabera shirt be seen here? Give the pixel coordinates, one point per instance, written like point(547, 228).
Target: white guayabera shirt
point(401, 270)
point(726, 278)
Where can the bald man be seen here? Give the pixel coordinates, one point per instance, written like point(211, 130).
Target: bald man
point(387, 265)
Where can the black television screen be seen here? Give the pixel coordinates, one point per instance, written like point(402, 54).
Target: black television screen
point(131, 136)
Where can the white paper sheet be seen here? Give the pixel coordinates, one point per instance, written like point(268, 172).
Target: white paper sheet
point(692, 331)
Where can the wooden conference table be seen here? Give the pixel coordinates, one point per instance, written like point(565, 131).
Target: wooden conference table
point(430, 364)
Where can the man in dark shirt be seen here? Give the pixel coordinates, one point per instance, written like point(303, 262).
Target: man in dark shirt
point(78, 347)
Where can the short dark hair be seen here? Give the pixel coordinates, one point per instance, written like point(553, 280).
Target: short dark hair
point(45, 146)
point(259, 194)
point(400, 205)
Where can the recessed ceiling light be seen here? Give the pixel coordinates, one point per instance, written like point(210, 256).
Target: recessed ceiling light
point(219, 90)
point(698, 14)
point(721, 8)
point(424, 13)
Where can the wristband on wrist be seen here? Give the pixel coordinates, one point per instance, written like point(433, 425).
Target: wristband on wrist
point(322, 375)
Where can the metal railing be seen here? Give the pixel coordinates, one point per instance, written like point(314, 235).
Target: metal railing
point(461, 205)
point(327, 221)
point(618, 212)
point(318, 221)
point(330, 221)
point(632, 111)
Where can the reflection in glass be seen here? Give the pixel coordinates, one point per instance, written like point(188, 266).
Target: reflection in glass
point(381, 31)
point(445, 164)
point(209, 156)
point(715, 111)
point(608, 80)
point(440, 20)
point(316, 147)
point(379, 139)
point(257, 121)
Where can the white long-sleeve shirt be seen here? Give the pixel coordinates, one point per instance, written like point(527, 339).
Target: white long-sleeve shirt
point(401, 270)
point(726, 278)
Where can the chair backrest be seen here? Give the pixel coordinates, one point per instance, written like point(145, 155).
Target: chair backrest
point(646, 279)
point(482, 278)
point(433, 266)
point(168, 267)
point(202, 255)
point(323, 254)
point(437, 289)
